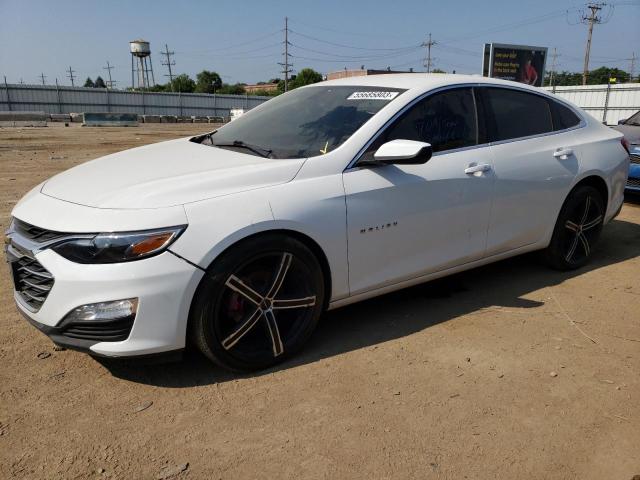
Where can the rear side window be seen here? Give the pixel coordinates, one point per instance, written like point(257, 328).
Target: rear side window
point(446, 120)
point(563, 117)
point(515, 114)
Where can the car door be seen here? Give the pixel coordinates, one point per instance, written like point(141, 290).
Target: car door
point(534, 165)
point(404, 221)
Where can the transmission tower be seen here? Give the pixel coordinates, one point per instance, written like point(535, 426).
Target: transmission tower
point(43, 77)
point(71, 76)
point(286, 66)
point(428, 61)
point(169, 63)
point(632, 66)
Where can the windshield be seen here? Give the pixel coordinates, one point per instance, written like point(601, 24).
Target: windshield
point(303, 123)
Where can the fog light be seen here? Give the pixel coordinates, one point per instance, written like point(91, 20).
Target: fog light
point(102, 311)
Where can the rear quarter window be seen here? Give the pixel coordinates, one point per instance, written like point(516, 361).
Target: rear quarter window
point(563, 117)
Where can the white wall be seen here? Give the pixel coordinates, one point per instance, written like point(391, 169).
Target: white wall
point(624, 100)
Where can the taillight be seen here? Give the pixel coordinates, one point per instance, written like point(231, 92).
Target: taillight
point(625, 144)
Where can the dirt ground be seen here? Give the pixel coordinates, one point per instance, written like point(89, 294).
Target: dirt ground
point(507, 371)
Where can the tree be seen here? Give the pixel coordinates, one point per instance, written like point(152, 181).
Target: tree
point(437, 70)
point(99, 83)
point(89, 83)
point(601, 76)
point(235, 89)
point(208, 82)
point(306, 76)
point(183, 83)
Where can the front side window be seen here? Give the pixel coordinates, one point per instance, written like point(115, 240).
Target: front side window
point(515, 114)
point(446, 120)
point(306, 122)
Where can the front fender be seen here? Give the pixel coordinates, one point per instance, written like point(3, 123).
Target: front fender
point(306, 207)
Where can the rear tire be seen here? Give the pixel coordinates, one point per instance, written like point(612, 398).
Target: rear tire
point(577, 229)
point(258, 303)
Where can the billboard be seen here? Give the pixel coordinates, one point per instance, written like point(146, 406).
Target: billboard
point(519, 63)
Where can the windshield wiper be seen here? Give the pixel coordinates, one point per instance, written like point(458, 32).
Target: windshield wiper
point(263, 152)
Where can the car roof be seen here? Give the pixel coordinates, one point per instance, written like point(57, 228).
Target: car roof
point(423, 81)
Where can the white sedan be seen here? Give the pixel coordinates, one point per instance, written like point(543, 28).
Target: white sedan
point(321, 197)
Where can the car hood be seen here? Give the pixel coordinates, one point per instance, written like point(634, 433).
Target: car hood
point(630, 132)
point(167, 174)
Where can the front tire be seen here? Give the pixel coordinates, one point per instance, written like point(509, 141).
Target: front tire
point(577, 229)
point(258, 303)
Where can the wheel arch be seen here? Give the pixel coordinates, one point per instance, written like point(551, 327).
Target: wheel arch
point(593, 179)
point(303, 238)
point(596, 181)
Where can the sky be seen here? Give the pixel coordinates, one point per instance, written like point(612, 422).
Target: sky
point(243, 40)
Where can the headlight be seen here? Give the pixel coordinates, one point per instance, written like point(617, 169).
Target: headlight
point(118, 247)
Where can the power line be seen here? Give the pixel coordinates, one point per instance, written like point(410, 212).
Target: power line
point(428, 61)
point(231, 54)
point(169, 63)
point(309, 37)
point(509, 26)
point(230, 47)
point(110, 82)
point(339, 57)
point(70, 75)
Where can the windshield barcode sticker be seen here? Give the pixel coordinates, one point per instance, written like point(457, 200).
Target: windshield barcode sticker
point(372, 96)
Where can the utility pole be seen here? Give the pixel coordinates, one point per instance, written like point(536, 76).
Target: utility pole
point(554, 58)
point(108, 68)
point(286, 65)
point(592, 19)
point(42, 77)
point(71, 72)
point(169, 63)
point(632, 66)
point(428, 61)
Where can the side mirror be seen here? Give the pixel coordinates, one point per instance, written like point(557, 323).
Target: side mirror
point(404, 152)
point(622, 121)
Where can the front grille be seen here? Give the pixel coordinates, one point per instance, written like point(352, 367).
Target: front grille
point(32, 281)
point(634, 158)
point(99, 331)
point(633, 182)
point(36, 234)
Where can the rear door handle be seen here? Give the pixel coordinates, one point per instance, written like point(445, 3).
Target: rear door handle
point(483, 167)
point(563, 153)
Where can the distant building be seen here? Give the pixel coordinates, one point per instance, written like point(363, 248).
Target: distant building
point(264, 87)
point(361, 72)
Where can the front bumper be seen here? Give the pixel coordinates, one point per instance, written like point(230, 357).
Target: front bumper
point(633, 180)
point(164, 286)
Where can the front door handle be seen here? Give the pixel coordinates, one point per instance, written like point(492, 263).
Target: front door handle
point(471, 169)
point(563, 153)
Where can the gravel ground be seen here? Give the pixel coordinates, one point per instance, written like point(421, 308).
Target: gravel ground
point(506, 371)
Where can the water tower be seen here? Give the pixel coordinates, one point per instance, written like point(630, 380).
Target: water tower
point(141, 65)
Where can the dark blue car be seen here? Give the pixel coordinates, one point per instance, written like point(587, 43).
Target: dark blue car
point(630, 128)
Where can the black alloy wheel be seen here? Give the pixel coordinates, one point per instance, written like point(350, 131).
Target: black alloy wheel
point(259, 303)
point(577, 230)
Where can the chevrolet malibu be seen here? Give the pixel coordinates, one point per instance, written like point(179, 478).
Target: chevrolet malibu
point(239, 239)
